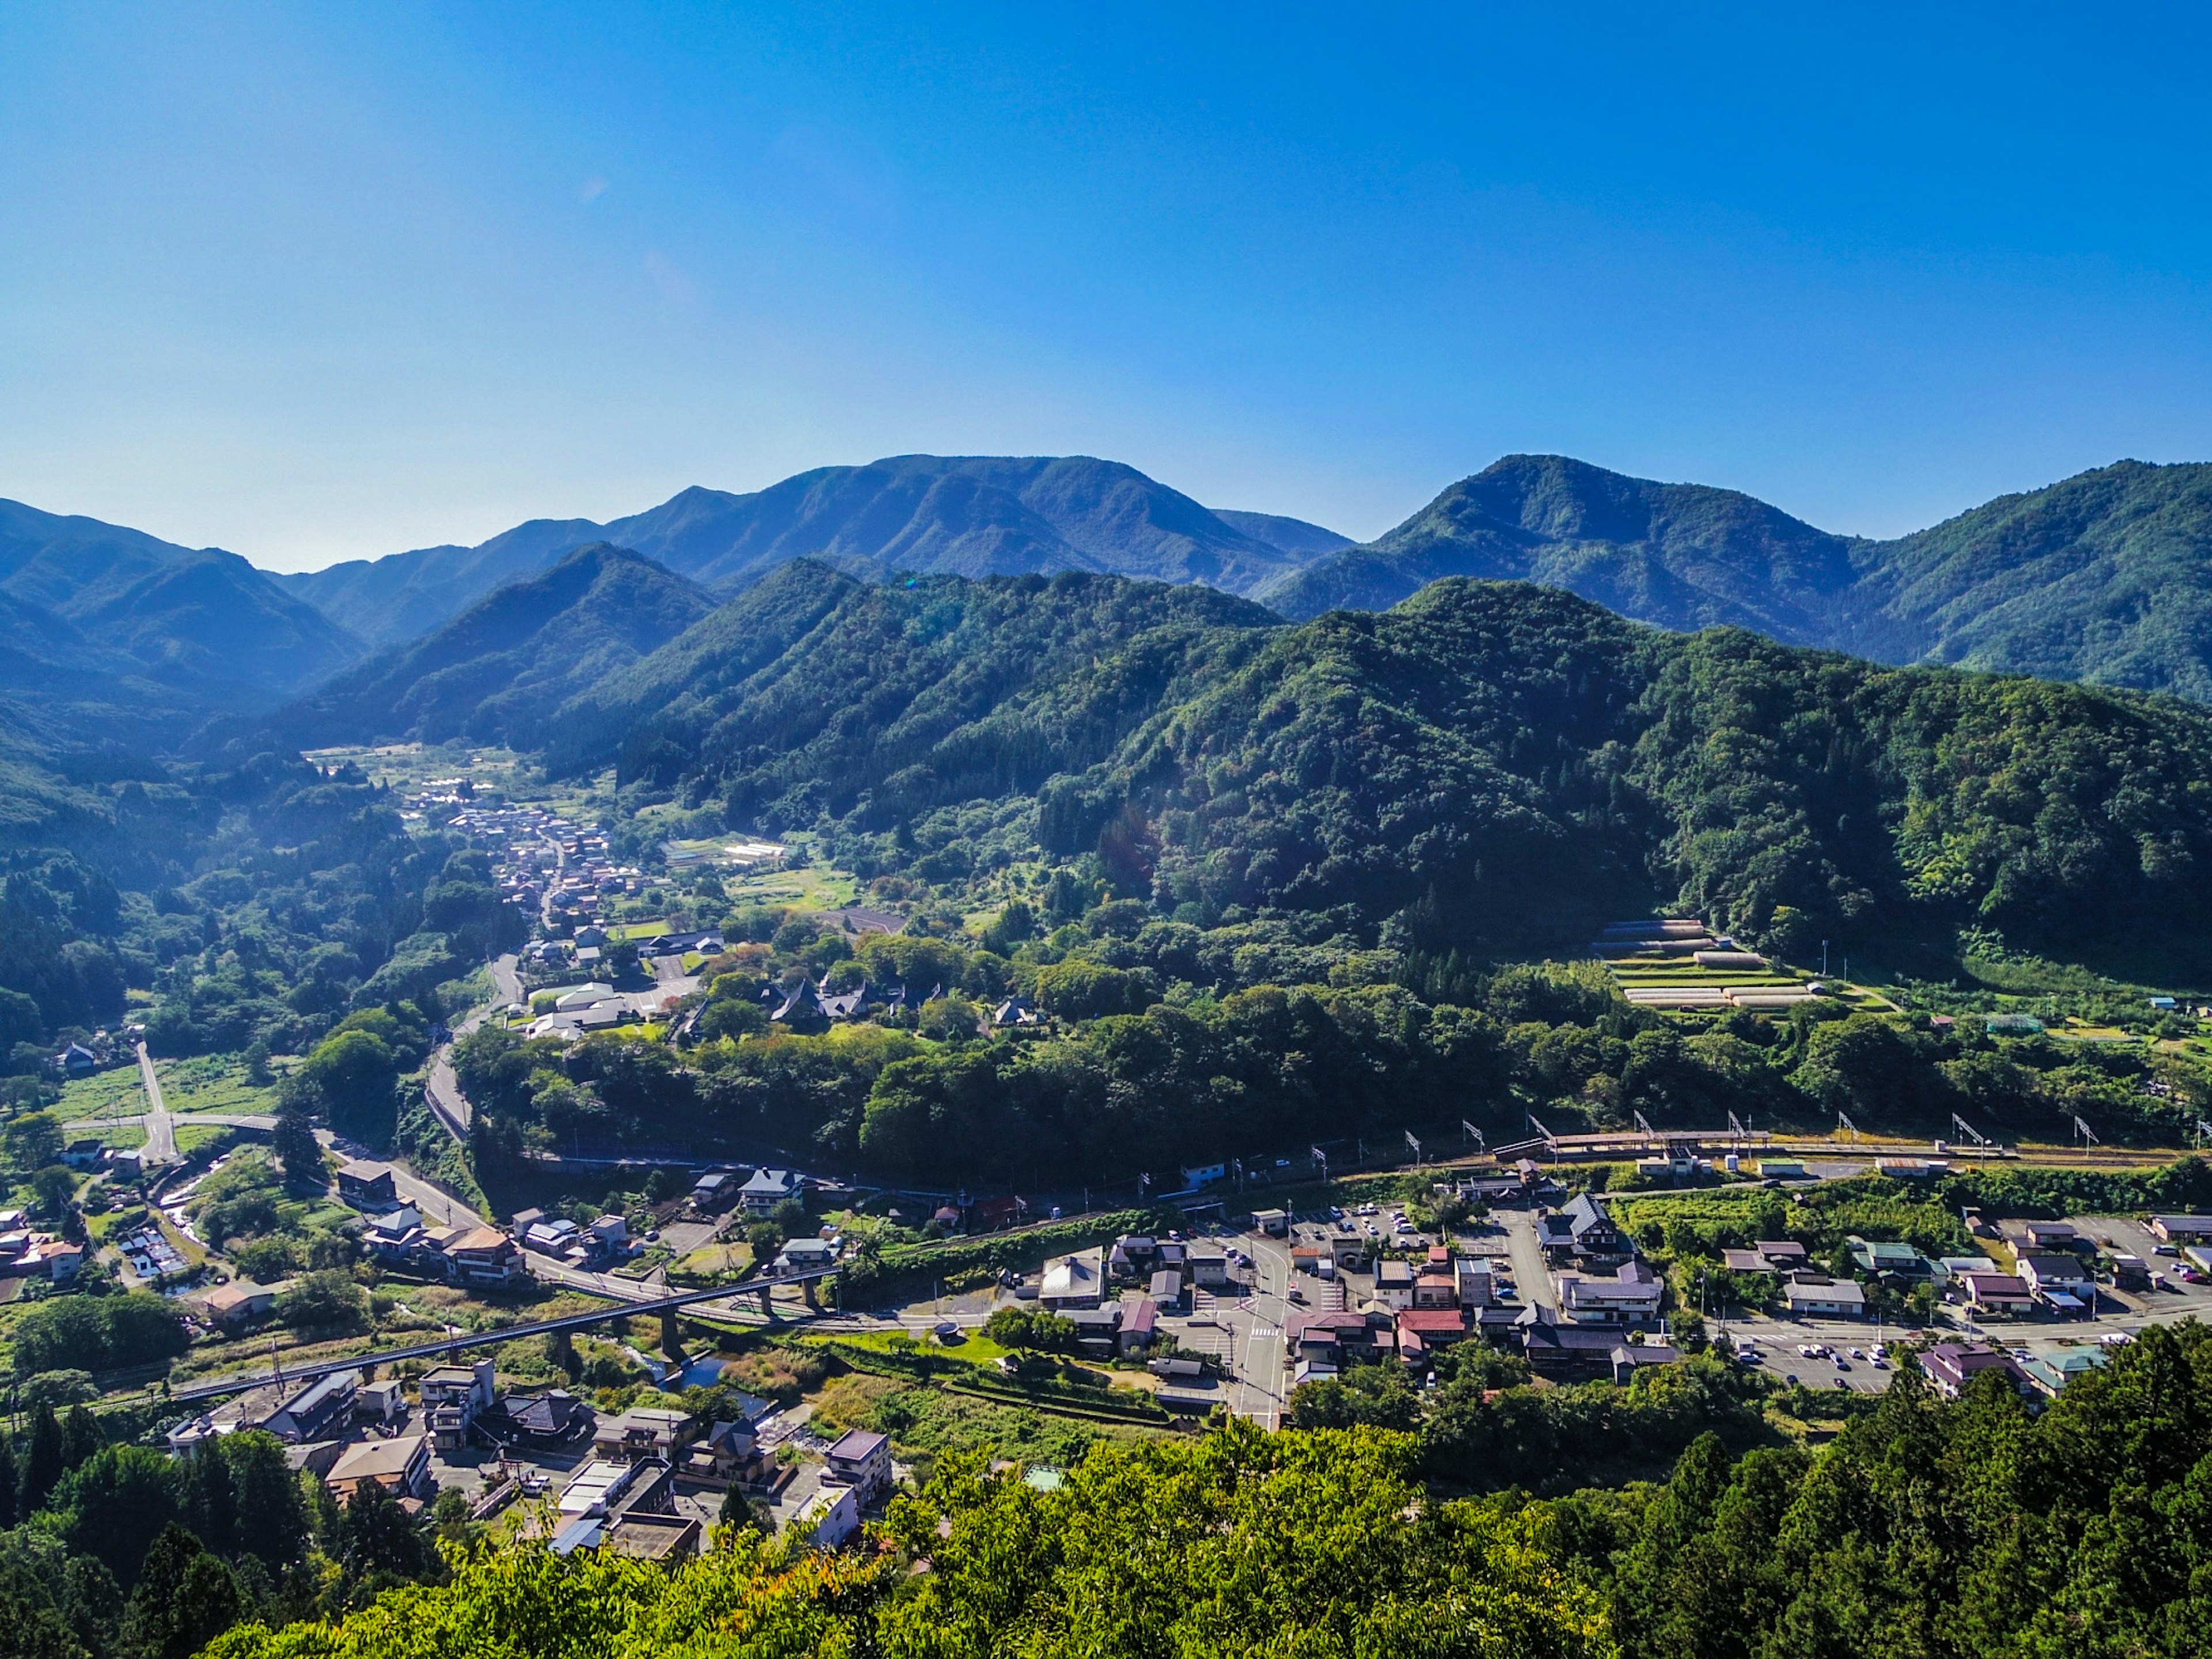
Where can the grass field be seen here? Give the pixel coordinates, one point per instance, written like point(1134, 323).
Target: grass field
point(214, 1083)
point(115, 1091)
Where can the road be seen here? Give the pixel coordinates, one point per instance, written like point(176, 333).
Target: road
point(1532, 1275)
point(1261, 1375)
point(161, 1126)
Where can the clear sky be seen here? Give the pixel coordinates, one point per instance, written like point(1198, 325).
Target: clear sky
point(322, 282)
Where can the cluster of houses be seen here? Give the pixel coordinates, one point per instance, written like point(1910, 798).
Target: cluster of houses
point(26, 1253)
point(811, 1004)
point(627, 1470)
point(1950, 1366)
point(1114, 1296)
point(544, 861)
point(396, 1235)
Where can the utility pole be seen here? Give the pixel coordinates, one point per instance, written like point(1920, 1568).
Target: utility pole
point(1824, 958)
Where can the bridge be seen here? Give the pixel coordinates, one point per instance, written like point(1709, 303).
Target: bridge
point(665, 1306)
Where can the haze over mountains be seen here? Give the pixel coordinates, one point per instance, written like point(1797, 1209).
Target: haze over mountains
point(923, 514)
point(113, 636)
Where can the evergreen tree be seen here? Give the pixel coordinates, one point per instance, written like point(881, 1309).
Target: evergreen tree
point(186, 1598)
point(210, 1499)
point(43, 1463)
point(81, 1436)
point(272, 1505)
point(8, 1482)
point(297, 1151)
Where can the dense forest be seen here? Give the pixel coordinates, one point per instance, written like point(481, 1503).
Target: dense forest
point(1493, 768)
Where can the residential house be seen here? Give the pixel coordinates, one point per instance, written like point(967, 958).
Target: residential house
point(394, 1237)
point(1097, 1330)
point(1629, 1358)
point(2182, 1229)
point(1166, 1289)
point(1949, 1366)
point(1435, 1289)
point(1951, 1269)
point(454, 1397)
point(83, 1153)
point(1394, 1283)
point(804, 1254)
point(400, 1465)
point(1630, 1297)
point(1562, 1352)
point(1583, 1236)
point(2002, 1294)
point(1209, 1267)
point(553, 1418)
point(829, 1520)
point(1312, 1258)
point(239, 1304)
point(368, 1186)
point(715, 1191)
point(1074, 1281)
point(2053, 1236)
point(645, 1431)
point(766, 1188)
point(1140, 1317)
point(1420, 1329)
point(2061, 1282)
point(308, 1411)
point(861, 1460)
point(484, 1256)
point(1887, 1259)
point(2130, 1273)
point(2050, 1373)
point(1813, 1296)
point(1475, 1288)
point(380, 1403)
point(556, 1237)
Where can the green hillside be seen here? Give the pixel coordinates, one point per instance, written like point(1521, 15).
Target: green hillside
point(495, 671)
point(2105, 577)
point(1488, 766)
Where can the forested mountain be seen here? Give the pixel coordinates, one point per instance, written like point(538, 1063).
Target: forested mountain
point(1295, 537)
point(2105, 577)
point(1494, 766)
point(204, 623)
point(1679, 556)
point(494, 672)
point(969, 515)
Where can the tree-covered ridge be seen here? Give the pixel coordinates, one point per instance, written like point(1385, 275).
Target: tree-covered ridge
point(969, 515)
point(495, 673)
point(2104, 577)
point(817, 695)
point(1488, 766)
point(1679, 556)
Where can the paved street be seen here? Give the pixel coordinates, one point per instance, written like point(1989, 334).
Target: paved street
point(161, 1125)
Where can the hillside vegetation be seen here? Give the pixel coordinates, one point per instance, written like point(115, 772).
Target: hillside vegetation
point(1492, 767)
point(2105, 577)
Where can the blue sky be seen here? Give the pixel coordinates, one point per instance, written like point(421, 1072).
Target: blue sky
point(317, 283)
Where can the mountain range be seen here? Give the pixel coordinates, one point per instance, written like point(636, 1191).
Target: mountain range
point(1498, 764)
point(920, 515)
point(113, 637)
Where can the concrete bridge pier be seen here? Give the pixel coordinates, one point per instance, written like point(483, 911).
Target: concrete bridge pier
point(671, 1337)
point(768, 1303)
